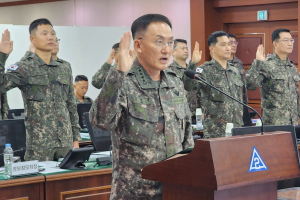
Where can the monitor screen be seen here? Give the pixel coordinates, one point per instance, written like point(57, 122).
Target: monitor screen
point(101, 139)
point(76, 157)
point(13, 131)
point(16, 114)
point(83, 108)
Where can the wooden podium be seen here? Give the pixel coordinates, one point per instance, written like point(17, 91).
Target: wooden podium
point(236, 168)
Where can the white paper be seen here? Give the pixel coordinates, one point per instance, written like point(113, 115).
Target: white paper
point(50, 170)
point(47, 164)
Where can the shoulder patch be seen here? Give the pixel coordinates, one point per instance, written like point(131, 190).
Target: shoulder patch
point(13, 67)
point(199, 70)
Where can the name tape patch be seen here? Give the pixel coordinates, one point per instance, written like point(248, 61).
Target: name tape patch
point(13, 67)
point(257, 163)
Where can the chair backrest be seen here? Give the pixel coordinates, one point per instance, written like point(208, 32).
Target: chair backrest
point(83, 108)
point(13, 131)
point(101, 139)
point(16, 114)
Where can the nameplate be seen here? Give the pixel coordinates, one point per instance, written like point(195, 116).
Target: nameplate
point(25, 168)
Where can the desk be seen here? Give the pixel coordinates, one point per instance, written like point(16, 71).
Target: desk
point(79, 185)
point(25, 188)
point(91, 184)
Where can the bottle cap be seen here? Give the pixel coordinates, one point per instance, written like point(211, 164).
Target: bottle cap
point(7, 145)
point(198, 111)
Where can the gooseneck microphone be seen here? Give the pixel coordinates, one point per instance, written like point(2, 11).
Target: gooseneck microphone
point(14, 151)
point(192, 75)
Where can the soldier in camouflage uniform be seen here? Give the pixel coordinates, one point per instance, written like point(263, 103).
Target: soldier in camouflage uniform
point(180, 54)
point(100, 76)
point(219, 109)
point(50, 111)
point(237, 63)
point(278, 80)
point(81, 87)
point(147, 111)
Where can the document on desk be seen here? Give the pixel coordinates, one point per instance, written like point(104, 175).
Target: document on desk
point(50, 167)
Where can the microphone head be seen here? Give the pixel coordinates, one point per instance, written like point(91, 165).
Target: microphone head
point(190, 74)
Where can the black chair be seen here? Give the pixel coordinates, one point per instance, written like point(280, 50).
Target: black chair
point(81, 109)
point(16, 114)
point(101, 139)
point(246, 117)
point(297, 129)
point(13, 131)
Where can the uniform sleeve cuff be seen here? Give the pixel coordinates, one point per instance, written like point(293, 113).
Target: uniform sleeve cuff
point(3, 57)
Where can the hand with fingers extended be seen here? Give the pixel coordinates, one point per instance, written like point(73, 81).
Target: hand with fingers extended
point(32, 48)
point(260, 55)
point(197, 54)
point(125, 54)
point(6, 46)
point(111, 57)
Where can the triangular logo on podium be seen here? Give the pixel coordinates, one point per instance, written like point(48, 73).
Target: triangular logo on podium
point(257, 163)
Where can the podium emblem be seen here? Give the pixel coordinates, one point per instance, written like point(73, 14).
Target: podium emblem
point(257, 163)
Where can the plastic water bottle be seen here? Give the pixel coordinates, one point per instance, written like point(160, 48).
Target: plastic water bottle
point(8, 155)
point(199, 118)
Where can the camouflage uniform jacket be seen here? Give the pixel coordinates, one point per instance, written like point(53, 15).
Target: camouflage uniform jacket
point(3, 100)
point(86, 99)
point(50, 110)
point(100, 76)
point(148, 122)
point(237, 63)
point(193, 96)
point(279, 90)
point(218, 108)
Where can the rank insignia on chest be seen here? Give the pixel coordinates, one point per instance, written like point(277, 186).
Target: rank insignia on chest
point(13, 67)
point(199, 70)
point(176, 92)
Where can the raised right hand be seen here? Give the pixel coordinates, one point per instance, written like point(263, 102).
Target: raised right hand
point(111, 57)
point(6, 46)
point(125, 59)
point(260, 55)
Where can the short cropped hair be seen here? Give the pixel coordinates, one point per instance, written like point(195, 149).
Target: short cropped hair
point(42, 21)
point(116, 46)
point(142, 23)
point(80, 78)
point(275, 34)
point(212, 39)
point(231, 35)
point(179, 40)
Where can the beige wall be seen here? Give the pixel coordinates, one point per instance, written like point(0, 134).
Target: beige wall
point(101, 13)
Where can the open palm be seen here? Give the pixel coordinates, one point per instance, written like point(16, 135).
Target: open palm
point(6, 46)
point(125, 58)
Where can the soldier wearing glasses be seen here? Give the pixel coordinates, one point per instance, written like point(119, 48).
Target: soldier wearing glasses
point(278, 80)
point(237, 63)
point(144, 105)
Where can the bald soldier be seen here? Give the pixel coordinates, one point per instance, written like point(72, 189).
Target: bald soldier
point(50, 110)
point(144, 105)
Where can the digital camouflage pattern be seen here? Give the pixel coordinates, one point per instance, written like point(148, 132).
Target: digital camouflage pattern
point(100, 76)
point(86, 99)
point(3, 100)
point(218, 108)
point(50, 110)
point(193, 96)
point(279, 90)
point(237, 63)
point(148, 122)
